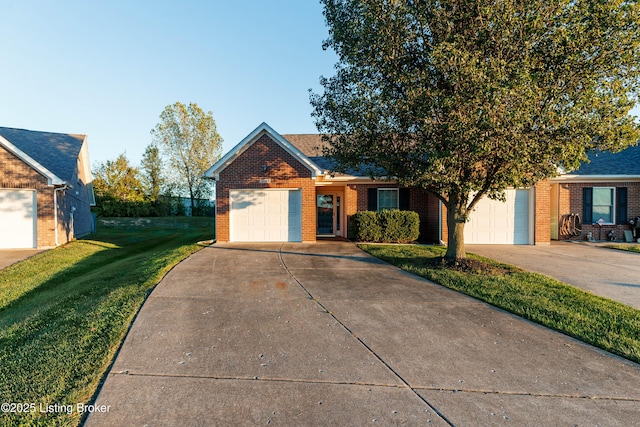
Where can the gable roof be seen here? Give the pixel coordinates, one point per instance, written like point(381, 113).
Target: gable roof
point(257, 133)
point(54, 155)
point(607, 165)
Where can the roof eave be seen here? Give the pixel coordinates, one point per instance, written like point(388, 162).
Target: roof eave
point(356, 179)
point(594, 178)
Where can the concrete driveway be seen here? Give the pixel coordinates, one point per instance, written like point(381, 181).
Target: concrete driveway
point(605, 272)
point(11, 256)
point(324, 334)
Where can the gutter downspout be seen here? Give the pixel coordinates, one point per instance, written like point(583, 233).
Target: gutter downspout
point(55, 211)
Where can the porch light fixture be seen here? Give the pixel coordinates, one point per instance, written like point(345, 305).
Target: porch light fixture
point(264, 167)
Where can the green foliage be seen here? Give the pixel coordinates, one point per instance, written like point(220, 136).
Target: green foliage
point(607, 324)
point(125, 191)
point(364, 227)
point(152, 175)
point(145, 208)
point(188, 138)
point(399, 226)
point(628, 247)
point(389, 225)
point(117, 180)
point(466, 99)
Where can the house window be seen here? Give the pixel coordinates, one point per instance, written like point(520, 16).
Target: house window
point(603, 204)
point(600, 204)
point(387, 198)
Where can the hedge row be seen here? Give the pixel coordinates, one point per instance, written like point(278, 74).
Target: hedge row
point(387, 226)
point(160, 208)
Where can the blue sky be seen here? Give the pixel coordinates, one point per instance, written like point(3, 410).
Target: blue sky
point(108, 68)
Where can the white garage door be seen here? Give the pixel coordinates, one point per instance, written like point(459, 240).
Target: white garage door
point(266, 215)
point(495, 222)
point(17, 219)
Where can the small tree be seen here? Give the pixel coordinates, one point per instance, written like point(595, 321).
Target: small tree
point(189, 140)
point(468, 98)
point(117, 180)
point(152, 174)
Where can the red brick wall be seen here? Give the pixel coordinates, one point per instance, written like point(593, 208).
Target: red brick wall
point(425, 204)
point(283, 170)
point(570, 202)
point(542, 214)
point(362, 194)
point(16, 174)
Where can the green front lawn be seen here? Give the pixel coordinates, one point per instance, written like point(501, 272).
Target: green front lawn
point(628, 247)
point(607, 324)
point(65, 312)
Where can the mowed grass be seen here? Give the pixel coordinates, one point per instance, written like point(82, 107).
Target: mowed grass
point(628, 247)
point(65, 312)
point(604, 323)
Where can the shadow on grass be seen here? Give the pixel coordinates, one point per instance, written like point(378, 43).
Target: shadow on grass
point(57, 338)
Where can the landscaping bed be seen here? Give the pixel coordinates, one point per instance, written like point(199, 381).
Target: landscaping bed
point(65, 312)
point(610, 325)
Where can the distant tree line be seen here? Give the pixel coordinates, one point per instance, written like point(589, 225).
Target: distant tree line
point(184, 144)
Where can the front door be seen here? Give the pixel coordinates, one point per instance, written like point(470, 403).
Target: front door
point(329, 214)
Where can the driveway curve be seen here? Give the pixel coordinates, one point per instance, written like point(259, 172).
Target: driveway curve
point(609, 273)
point(324, 334)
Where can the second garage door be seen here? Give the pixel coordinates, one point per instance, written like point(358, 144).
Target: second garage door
point(17, 219)
point(266, 215)
point(495, 222)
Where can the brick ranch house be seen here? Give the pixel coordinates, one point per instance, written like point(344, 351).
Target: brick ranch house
point(45, 188)
point(604, 191)
point(273, 187)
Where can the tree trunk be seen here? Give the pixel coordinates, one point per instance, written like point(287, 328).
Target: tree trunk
point(456, 219)
point(192, 197)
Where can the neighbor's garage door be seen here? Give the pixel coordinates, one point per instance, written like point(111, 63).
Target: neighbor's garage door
point(266, 215)
point(17, 219)
point(495, 222)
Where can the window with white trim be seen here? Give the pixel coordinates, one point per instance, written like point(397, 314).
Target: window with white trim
point(603, 206)
point(387, 198)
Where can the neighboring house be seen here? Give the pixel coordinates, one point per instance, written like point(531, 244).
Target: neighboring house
point(45, 188)
point(273, 187)
point(605, 191)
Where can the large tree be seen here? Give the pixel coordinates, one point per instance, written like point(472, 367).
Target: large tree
point(468, 98)
point(188, 138)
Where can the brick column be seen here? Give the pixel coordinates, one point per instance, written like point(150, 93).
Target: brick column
point(542, 213)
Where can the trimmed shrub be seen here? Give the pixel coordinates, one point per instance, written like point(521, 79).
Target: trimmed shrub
point(399, 226)
point(364, 227)
point(388, 226)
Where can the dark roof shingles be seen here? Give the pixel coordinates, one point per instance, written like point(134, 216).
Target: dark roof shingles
point(625, 162)
point(57, 152)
